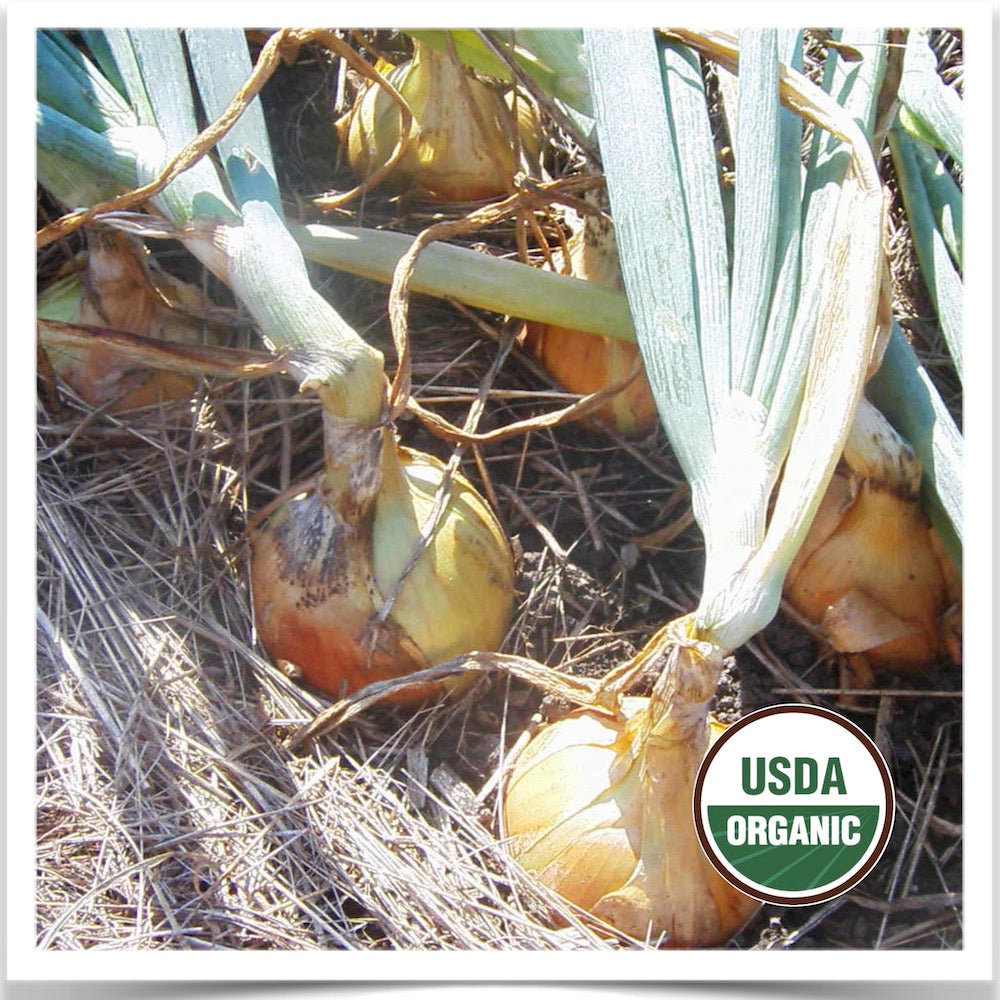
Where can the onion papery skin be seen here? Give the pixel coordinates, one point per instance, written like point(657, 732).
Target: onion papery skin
point(459, 595)
point(588, 362)
point(870, 575)
point(455, 155)
point(325, 556)
point(579, 812)
point(110, 288)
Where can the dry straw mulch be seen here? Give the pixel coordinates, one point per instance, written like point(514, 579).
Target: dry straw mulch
point(169, 813)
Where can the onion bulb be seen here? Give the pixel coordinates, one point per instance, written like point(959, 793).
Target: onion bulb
point(588, 362)
point(327, 556)
point(872, 576)
point(598, 805)
point(871, 573)
point(112, 286)
point(462, 136)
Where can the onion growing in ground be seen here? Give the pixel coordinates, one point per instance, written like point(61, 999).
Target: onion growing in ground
point(334, 591)
point(598, 806)
point(112, 286)
point(872, 573)
point(756, 378)
point(587, 362)
point(462, 138)
point(360, 574)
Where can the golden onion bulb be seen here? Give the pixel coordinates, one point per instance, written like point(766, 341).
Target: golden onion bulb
point(872, 576)
point(462, 144)
point(598, 806)
point(327, 556)
point(112, 287)
point(588, 362)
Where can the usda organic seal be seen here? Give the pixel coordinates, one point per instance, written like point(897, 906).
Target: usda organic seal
point(794, 804)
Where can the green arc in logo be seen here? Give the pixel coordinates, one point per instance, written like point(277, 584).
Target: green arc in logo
point(793, 849)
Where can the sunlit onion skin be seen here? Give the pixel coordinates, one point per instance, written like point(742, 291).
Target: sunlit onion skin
point(587, 362)
point(598, 806)
point(326, 556)
point(872, 577)
point(460, 151)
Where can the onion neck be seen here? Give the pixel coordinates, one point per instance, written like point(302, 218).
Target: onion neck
point(353, 462)
point(678, 703)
